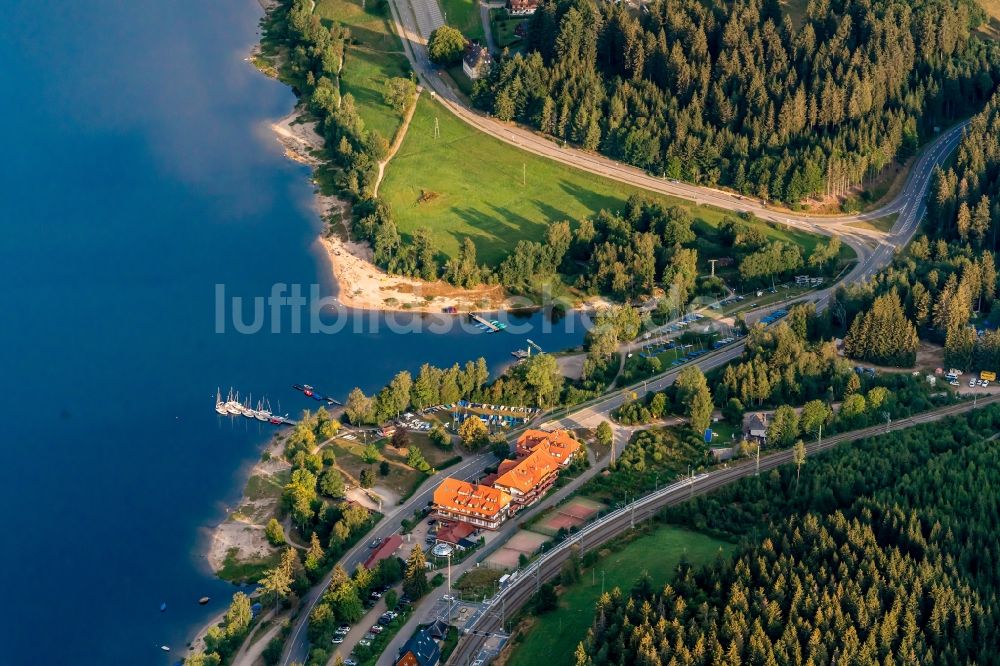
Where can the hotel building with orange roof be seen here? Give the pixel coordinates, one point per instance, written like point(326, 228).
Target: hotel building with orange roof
point(527, 479)
point(472, 503)
point(559, 444)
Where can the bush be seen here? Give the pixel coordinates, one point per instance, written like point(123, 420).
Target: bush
point(446, 45)
point(367, 479)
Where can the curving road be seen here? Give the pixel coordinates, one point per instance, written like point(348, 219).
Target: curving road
point(414, 20)
point(616, 523)
point(874, 251)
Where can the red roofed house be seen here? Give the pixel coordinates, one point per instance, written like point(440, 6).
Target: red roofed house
point(472, 503)
point(527, 479)
point(522, 7)
point(385, 551)
point(455, 533)
point(559, 444)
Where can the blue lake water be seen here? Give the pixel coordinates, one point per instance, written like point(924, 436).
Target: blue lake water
point(138, 173)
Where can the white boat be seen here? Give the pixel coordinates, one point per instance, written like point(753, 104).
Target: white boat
point(233, 406)
point(260, 413)
point(246, 410)
point(220, 406)
point(165, 648)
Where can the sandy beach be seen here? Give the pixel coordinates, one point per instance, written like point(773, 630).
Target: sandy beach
point(360, 283)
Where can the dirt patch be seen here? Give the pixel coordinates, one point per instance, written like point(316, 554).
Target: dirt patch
point(242, 532)
point(930, 356)
point(504, 558)
point(571, 366)
point(526, 541)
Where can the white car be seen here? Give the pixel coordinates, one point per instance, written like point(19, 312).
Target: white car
point(447, 597)
point(364, 642)
point(972, 382)
point(986, 383)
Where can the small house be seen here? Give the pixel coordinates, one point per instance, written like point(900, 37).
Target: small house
point(420, 650)
point(755, 427)
point(522, 7)
point(477, 61)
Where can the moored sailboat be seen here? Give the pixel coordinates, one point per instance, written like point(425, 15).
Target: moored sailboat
point(220, 406)
point(233, 405)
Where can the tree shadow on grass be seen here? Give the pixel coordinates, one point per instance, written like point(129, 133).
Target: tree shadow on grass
point(496, 232)
point(593, 200)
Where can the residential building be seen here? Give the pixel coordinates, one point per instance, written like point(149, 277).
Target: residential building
point(456, 533)
point(386, 550)
point(559, 444)
point(522, 7)
point(481, 506)
point(477, 61)
point(420, 650)
point(755, 427)
point(527, 479)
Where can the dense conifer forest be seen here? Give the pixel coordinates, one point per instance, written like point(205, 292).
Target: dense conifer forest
point(734, 94)
point(944, 286)
point(881, 553)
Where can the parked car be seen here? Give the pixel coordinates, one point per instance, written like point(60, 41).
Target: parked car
point(337, 640)
point(350, 662)
point(344, 629)
point(375, 543)
point(375, 595)
point(364, 643)
point(376, 629)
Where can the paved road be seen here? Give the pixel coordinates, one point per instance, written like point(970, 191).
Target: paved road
point(297, 646)
point(622, 436)
point(874, 250)
point(409, 16)
point(614, 524)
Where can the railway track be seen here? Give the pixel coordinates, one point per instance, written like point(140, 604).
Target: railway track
point(616, 523)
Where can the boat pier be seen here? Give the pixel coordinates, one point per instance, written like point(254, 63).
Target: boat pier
point(488, 325)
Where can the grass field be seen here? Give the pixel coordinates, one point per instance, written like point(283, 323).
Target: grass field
point(991, 28)
point(401, 480)
point(881, 224)
point(504, 27)
point(553, 637)
point(472, 186)
point(374, 55)
point(464, 15)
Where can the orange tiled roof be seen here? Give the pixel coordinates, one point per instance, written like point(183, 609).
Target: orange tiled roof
point(504, 467)
point(470, 498)
point(528, 472)
point(559, 443)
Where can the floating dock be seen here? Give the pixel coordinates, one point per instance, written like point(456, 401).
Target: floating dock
point(493, 328)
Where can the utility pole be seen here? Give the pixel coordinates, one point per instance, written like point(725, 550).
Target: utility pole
point(437, 128)
point(712, 261)
point(602, 581)
point(524, 174)
point(758, 459)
